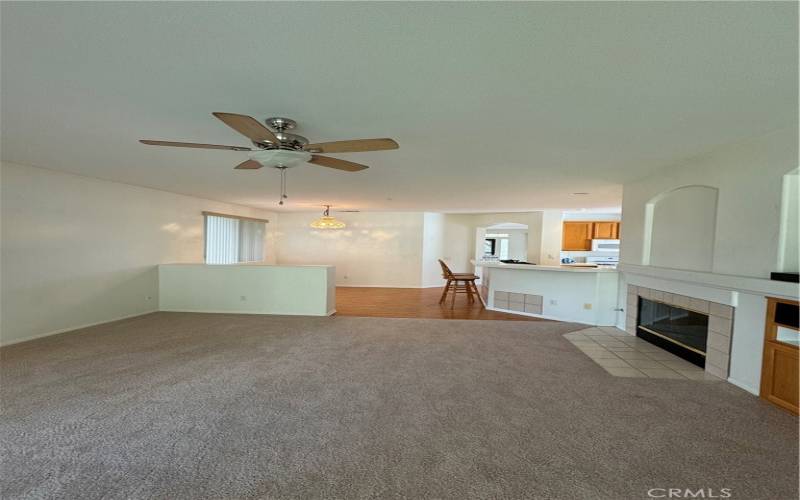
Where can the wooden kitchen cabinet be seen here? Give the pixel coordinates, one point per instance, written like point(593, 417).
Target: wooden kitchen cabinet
point(577, 236)
point(605, 230)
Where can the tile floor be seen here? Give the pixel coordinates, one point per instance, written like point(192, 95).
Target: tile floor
point(624, 355)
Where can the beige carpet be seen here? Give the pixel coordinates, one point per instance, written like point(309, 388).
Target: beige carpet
point(233, 406)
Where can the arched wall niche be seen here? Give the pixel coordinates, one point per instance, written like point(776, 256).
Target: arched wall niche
point(680, 228)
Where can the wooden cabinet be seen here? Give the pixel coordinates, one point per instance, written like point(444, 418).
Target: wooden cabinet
point(605, 230)
point(780, 376)
point(578, 235)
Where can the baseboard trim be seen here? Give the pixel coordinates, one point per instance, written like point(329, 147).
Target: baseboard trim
point(73, 328)
point(386, 286)
point(541, 316)
point(206, 311)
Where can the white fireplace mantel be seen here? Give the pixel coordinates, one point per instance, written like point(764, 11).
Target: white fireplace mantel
point(723, 282)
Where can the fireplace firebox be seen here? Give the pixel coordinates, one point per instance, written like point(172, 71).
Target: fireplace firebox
point(674, 329)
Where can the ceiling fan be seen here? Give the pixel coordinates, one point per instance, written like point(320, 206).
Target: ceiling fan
point(274, 146)
point(277, 148)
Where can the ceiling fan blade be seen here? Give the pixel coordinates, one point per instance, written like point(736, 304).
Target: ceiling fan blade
point(249, 165)
point(354, 146)
point(248, 127)
point(327, 161)
point(192, 145)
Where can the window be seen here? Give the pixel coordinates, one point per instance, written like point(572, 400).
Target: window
point(231, 239)
point(490, 245)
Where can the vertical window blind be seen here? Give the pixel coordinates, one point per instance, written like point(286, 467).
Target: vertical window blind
point(230, 239)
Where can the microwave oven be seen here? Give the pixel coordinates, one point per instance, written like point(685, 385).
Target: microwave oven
point(605, 245)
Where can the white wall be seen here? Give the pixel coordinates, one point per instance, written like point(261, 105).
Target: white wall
point(552, 229)
point(433, 249)
point(375, 249)
point(592, 216)
point(78, 251)
point(747, 348)
point(517, 243)
point(679, 229)
point(247, 288)
point(789, 259)
point(459, 242)
point(749, 177)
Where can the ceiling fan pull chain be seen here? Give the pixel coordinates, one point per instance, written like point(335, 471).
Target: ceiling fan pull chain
point(283, 185)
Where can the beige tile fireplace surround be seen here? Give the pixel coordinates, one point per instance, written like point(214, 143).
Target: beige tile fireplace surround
point(720, 323)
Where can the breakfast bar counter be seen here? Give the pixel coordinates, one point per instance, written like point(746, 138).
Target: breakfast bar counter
point(566, 293)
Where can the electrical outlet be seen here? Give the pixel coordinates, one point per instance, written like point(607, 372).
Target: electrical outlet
point(243, 298)
point(553, 302)
point(587, 306)
point(148, 298)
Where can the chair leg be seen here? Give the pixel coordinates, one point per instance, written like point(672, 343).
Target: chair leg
point(444, 292)
point(477, 294)
point(455, 292)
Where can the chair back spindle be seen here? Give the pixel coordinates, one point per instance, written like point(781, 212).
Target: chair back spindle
point(446, 272)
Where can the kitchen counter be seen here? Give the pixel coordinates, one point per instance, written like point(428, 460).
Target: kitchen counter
point(580, 268)
point(567, 293)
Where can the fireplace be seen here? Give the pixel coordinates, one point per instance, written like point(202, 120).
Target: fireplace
point(719, 326)
point(680, 331)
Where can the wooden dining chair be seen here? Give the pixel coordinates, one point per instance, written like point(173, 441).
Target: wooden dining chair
point(459, 283)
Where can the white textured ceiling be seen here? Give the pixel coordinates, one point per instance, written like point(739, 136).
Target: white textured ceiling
point(496, 106)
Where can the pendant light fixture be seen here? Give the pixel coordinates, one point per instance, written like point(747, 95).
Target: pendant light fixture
point(327, 221)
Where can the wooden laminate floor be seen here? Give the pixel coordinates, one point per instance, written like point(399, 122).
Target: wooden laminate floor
point(412, 303)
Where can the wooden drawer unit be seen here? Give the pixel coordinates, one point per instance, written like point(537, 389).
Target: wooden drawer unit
point(780, 377)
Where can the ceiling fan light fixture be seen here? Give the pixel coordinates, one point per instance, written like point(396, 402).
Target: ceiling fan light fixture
point(280, 157)
point(327, 221)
